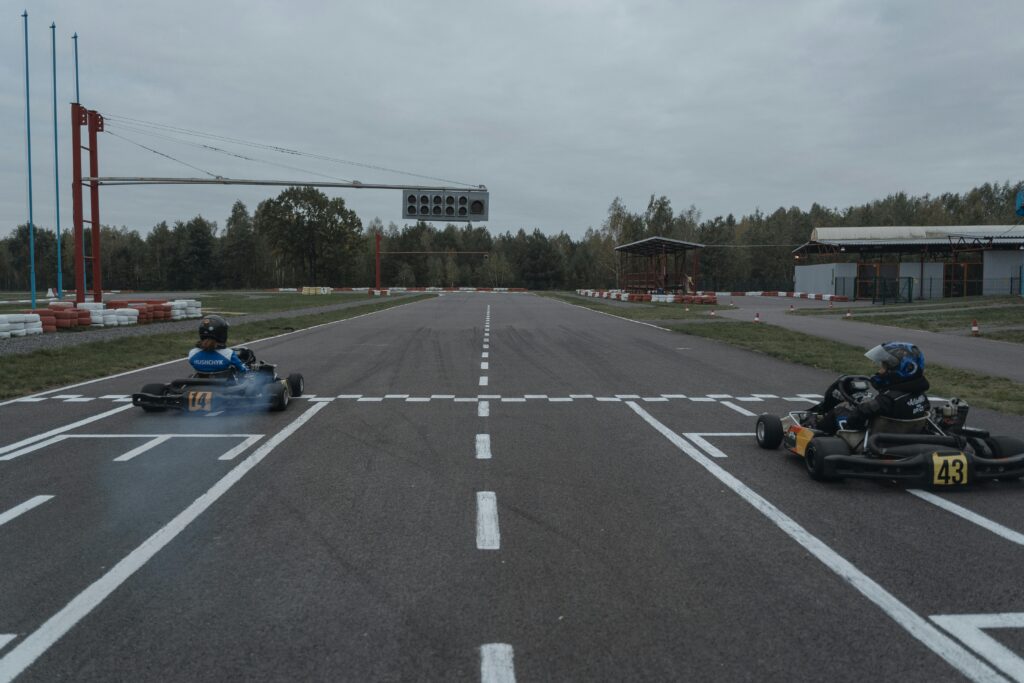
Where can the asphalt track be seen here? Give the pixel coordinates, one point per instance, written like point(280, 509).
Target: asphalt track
point(595, 509)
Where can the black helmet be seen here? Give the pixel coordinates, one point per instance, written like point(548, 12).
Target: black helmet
point(214, 327)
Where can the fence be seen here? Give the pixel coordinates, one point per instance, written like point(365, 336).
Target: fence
point(908, 289)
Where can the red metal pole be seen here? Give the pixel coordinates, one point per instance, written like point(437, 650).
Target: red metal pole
point(78, 119)
point(696, 269)
point(95, 126)
point(377, 241)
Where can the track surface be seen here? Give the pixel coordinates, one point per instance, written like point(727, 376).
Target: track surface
point(564, 521)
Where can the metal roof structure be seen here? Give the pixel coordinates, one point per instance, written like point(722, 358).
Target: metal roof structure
point(657, 245)
point(913, 238)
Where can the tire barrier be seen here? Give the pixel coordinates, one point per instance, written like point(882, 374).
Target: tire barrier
point(67, 315)
point(619, 295)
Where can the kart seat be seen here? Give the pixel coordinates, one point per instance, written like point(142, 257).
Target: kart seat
point(890, 425)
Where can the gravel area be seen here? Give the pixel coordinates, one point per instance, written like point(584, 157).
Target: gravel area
point(60, 340)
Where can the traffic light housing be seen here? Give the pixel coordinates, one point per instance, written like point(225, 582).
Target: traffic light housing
point(445, 205)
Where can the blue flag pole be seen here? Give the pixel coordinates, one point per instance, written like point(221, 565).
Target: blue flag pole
point(28, 141)
point(56, 172)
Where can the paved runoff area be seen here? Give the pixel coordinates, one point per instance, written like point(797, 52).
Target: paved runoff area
point(487, 487)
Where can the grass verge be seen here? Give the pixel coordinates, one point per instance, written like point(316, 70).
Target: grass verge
point(32, 372)
point(983, 391)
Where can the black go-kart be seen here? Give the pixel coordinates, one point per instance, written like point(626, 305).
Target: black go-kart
point(260, 388)
point(935, 450)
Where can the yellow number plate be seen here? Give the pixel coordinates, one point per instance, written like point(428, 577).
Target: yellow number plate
point(949, 470)
point(200, 400)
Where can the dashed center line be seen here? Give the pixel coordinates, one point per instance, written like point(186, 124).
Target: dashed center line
point(488, 537)
point(483, 380)
point(483, 446)
point(496, 663)
point(483, 409)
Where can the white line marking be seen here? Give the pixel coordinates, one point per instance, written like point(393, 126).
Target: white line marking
point(611, 315)
point(738, 409)
point(483, 380)
point(483, 446)
point(702, 399)
point(396, 395)
point(719, 395)
point(798, 399)
point(608, 399)
point(627, 395)
point(21, 509)
point(722, 434)
point(496, 663)
point(483, 409)
point(61, 430)
point(962, 512)
point(321, 400)
point(29, 649)
point(371, 399)
point(466, 400)
point(535, 396)
point(28, 400)
point(513, 400)
point(816, 397)
point(67, 396)
point(764, 395)
point(560, 400)
point(449, 396)
point(84, 399)
point(214, 414)
point(488, 395)
point(418, 399)
point(349, 396)
point(487, 346)
point(942, 645)
point(673, 395)
point(152, 443)
point(179, 360)
point(240, 448)
point(488, 537)
point(485, 354)
point(703, 443)
point(968, 628)
point(749, 399)
point(581, 396)
point(661, 399)
point(484, 365)
point(6, 638)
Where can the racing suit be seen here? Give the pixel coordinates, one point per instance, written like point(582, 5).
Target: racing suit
point(218, 360)
point(902, 400)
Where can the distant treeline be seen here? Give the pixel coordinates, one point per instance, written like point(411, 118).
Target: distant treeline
point(302, 237)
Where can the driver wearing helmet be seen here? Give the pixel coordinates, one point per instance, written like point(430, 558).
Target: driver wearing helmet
point(211, 354)
point(901, 387)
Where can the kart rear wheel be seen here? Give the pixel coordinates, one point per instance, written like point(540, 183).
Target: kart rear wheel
point(296, 384)
point(814, 456)
point(157, 389)
point(279, 396)
point(1004, 447)
point(769, 431)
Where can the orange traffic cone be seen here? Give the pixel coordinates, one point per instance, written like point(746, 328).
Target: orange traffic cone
point(713, 314)
point(975, 332)
point(687, 309)
point(757, 317)
point(848, 314)
point(791, 309)
point(830, 304)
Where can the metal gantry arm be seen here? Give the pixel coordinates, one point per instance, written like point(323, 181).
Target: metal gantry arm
point(355, 184)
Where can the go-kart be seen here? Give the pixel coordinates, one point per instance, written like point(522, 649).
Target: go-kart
point(934, 450)
point(260, 387)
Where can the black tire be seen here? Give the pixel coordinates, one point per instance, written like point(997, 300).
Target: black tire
point(817, 449)
point(769, 431)
point(296, 384)
point(279, 395)
point(157, 389)
point(1004, 447)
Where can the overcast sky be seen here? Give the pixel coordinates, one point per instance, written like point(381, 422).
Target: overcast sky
point(558, 106)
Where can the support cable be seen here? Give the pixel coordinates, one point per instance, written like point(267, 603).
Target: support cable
point(166, 156)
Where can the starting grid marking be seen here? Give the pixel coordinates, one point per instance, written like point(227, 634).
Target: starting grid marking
point(152, 441)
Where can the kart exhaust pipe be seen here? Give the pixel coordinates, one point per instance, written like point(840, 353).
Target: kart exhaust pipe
point(875, 442)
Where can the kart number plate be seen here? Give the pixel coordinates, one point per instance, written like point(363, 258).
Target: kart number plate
point(200, 400)
point(949, 470)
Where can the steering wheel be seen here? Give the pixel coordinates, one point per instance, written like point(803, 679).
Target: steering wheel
point(856, 389)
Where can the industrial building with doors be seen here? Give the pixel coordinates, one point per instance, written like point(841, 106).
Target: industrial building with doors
point(905, 263)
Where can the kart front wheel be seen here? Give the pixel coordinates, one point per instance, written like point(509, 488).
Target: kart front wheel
point(1004, 447)
point(296, 384)
point(279, 395)
point(769, 431)
point(814, 456)
point(157, 389)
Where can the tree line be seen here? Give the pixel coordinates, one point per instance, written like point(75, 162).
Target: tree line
point(302, 237)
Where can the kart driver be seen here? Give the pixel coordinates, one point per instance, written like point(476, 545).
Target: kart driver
point(901, 387)
point(211, 354)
